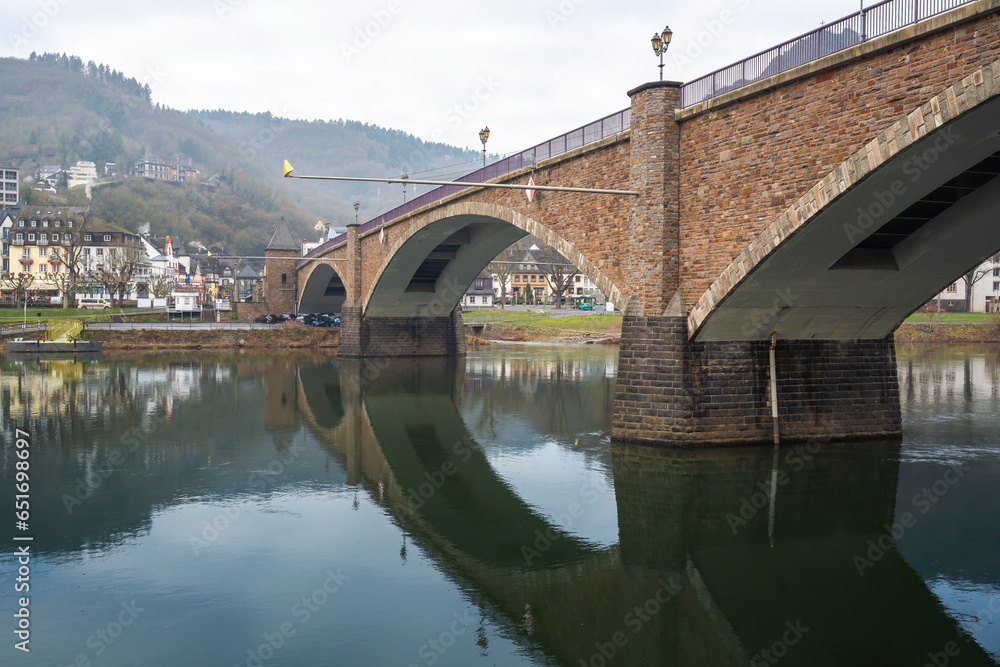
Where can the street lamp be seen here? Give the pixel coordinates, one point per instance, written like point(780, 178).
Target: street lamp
point(357, 205)
point(661, 42)
point(484, 134)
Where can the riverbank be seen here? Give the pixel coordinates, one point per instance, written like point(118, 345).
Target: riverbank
point(568, 330)
point(144, 339)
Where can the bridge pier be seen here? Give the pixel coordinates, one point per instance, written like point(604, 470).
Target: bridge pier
point(677, 392)
point(400, 336)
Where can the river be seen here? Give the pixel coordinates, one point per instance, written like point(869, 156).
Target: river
point(296, 509)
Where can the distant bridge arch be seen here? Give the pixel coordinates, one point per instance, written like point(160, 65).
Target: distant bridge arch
point(429, 266)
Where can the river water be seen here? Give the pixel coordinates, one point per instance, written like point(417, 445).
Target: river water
point(287, 509)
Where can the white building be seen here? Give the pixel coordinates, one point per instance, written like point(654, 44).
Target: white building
point(81, 174)
point(985, 290)
point(8, 185)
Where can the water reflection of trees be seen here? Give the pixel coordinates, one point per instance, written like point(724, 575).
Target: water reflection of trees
point(948, 375)
point(555, 395)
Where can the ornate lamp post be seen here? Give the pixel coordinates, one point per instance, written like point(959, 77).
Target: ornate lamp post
point(661, 42)
point(484, 134)
point(357, 205)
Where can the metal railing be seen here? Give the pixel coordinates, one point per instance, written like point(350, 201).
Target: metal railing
point(602, 128)
point(880, 19)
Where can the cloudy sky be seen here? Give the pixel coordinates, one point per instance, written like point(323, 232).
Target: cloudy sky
point(439, 69)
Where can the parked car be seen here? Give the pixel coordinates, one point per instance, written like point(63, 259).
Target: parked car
point(336, 321)
point(89, 303)
point(586, 305)
point(305, 318)
point(321, 321)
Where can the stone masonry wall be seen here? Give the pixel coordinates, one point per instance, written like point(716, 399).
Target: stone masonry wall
point(400, 336)
point(745, 162)
point(676, 392)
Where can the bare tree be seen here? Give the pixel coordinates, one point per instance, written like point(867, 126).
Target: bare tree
point(559, 273)
point(161, 285)
point(118, 269)
point(503, 266)
point(19, 283)
point(974, 275)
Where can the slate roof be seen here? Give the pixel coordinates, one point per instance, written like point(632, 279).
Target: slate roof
point(248, 272)
point(282, 239)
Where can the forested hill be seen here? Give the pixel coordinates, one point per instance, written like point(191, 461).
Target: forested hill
point(56, 109)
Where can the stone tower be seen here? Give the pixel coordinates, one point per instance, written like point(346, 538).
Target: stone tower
point(279, 270)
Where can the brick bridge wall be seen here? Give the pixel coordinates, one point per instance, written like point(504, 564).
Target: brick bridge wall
point(744, 162)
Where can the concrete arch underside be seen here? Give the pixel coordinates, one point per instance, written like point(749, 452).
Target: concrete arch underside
point(879, 236)
point(428, 269)
point(324, 290)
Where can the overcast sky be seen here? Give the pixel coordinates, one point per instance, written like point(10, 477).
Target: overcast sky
point(439, 69)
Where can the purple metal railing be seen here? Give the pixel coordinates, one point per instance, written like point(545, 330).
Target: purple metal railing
point(581, 136)
point(875, 21)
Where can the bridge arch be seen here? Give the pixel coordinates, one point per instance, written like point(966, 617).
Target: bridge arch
point(323, 289)
point(428, 268)
point(902, 218)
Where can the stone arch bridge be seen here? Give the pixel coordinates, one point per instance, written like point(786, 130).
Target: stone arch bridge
point(821, 205)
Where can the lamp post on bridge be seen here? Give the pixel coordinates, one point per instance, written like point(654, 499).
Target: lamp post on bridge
point(357, 205)
point(661, 42)
point(484, 134)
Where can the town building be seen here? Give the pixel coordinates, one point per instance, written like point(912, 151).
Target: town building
point(42, 240)
point(9, 184)
point(153, 167)
point(81, 174)
point(480, 293)
point(985, 291)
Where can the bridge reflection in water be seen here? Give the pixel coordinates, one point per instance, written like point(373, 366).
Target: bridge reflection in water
point(725, 557)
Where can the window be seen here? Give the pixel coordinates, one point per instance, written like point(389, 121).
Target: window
point(517, 278)
point(107, 238)
point(43, 237)
point(86, 252)
point(86, 237)
point(577, 278)
point(952, 287)
point(31, 237)
point(19, 237)
point(100, 252)
point(479, 283)
point(41, 269)
point(69, 223)
point(26, 254)
point(34, 223)
point(41, 252)
point(45, 223)
point(996, 286)
point(284, 278)
point(20, 223)
point(58, 223)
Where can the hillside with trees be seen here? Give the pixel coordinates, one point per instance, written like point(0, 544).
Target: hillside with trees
point(58, 109)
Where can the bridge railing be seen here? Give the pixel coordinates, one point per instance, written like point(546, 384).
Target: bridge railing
point(875, 21)
point(564, 143)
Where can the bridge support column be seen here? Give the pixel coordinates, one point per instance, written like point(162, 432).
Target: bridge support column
point(675, 392)
point(401, 336)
